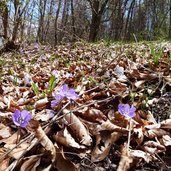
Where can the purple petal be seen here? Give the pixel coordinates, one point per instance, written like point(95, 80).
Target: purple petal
point(24, 114)
point(64, 88)
point(58, 97)
point(72, 95)
point(131, 115)
point(53, 103)
point(121, 109)
point(24, 124)
point(21, 118)
point(126, 108)
point(28, 118)
point(15, 117)
point(132, 109)
point(132, 112)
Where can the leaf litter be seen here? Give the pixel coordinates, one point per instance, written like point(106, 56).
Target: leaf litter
point(72, 93)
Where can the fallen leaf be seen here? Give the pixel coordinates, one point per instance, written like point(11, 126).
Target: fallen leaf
point(126, 160)
point(104, 141)
point(65, 138)
point(63, 164)
point(42, 137)
point(30, 163)
point(5, 131)
point(78, 128)
point(153, 147)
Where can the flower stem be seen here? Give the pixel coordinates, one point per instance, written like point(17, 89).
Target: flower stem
point(129, 134)
point(18, 134)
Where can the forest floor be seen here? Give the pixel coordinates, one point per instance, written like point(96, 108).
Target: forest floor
point(85, 130)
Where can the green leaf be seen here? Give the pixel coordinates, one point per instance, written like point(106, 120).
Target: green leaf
point(51, 83)
point(35, 88)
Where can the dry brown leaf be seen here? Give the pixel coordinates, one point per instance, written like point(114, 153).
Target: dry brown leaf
point(41, 103)
point(91, 114)
point(44, 115)
point(77, 127)
point(141, 154)
point(30, 163)
point(42, 137)
point(24, 101)
point(148, 76)
point(4, 164)
point(11, 140)
point(117, 88)
point(152, 133)
point(166, 124)
point(62, 164)
point(139, 135)
point(5, 131)
point(65, 138)
point(126, 160)
point(107, 125)
point(104, 141)
point(151, 119)
point(166, 139)
point(18, 151)
point(139, 84)
point(168, 79)
point(153, 147)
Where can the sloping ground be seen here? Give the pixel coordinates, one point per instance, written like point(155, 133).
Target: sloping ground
point(87, 133)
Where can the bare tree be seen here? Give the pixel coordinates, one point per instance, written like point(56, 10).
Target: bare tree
point(97, 9)
point(4, 11)
point(73, 20)
point(49, 18)
point(56, 21)
point(42, 10)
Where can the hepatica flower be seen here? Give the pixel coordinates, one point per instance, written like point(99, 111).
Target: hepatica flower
point(126, 110)
point(64, 91)
point(67, 92)
point(58, 99)
point(21, 118)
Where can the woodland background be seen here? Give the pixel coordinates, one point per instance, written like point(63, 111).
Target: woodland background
point(56, 21)
point(96, 49)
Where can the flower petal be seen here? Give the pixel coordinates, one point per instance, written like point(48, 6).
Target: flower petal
point(28, 118)
point(58, 97)
point(131, 115)
point(71, 94)
point(24, 114)
point(24, 124)
point(64, 88)
point(15, 117)
point(121, 109)
point(53, 103)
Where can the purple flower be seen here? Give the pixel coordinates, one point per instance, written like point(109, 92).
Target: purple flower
point(126, 110)
point(64, 91)
point(57, 100)
point(70, 94)
point(56, 73)
point(46, 85)
point(21, 118)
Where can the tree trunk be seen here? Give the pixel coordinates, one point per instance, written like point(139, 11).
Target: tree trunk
point(64, 20)
point(5, 20)
point(73, 21)
point(48, 20)
point(56, 22)
point(42, 9)
point(170, 22)
point(96, 18)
